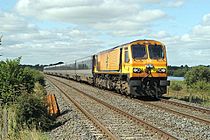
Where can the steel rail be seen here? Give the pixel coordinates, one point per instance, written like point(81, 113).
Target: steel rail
point(162, 134)
point(177, 112)
point(97, 123)
point(207, 111)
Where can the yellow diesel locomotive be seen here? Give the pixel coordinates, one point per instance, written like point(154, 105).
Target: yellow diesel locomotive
point(138, 68)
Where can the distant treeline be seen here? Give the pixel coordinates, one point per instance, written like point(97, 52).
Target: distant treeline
point(40, 67)
point(36, 67)
point(179, 71)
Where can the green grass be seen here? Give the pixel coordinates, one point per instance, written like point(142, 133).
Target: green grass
point(33, 134)
point(185, 94)
point(22, 134)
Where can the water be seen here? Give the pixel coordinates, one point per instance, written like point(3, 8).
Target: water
point(172, 78)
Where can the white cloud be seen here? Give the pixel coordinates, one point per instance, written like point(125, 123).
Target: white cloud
point(152, 1)
point(37, 45)
point(96, 25)
point(206, 19)
point(115, 15)
point(11, 23)
point(186, 38)
point(161, 34)
point(191, 48)
point(175, 3)
point(201, 32)
point(149, 15)
point(82, 11)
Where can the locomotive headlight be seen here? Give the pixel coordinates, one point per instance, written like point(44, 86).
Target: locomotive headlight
point(137, 70)
point(149, 66)
point(161, 70)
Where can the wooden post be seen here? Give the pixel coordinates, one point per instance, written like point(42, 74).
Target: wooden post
point(1, 118)
point(5, 123)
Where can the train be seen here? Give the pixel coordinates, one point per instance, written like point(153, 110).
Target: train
point(135, 69)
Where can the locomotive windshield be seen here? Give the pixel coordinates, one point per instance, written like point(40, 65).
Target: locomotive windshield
point(156, 52)
point(139, 51)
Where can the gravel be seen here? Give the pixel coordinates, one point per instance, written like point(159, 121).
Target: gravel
point(179, 126)
point(73, 124)
point(119, 125)
point(184, 110)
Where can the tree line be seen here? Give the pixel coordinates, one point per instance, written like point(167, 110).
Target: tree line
point(180, 71)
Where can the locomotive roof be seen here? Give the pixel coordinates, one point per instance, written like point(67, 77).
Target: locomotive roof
point(120, 46)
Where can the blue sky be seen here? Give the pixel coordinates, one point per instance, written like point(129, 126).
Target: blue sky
point(45, 31)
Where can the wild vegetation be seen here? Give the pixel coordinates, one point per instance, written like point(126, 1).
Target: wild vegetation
point(195, 87)
point(23, 95)
point(180, 71)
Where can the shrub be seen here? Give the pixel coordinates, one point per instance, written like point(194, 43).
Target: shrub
point(21, 86)
point(27, 79)
point(10, 79)
point(198, 79)
point(198, 73)
point(15, 80)
point(38, 77)
point(177, 86)
point(32, 112)
point(202, 88)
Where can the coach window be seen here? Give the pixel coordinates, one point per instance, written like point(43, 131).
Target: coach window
point(126, 57)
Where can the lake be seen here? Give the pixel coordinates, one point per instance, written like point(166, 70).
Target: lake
point(175, 78)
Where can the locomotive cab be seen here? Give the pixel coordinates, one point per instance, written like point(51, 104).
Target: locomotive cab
point(146, 66)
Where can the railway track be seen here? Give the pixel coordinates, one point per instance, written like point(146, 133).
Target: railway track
point(179, 111)
point(114, 119)
point(75, 125)
point(203, 110)
point(96, 123)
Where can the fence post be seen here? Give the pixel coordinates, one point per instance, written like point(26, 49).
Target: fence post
point(5, 123)
point(1, 116)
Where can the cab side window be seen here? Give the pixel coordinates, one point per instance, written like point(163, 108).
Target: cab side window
point(126, 57)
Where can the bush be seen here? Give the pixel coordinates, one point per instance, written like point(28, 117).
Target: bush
point(179, 72)
point(38, 77)
point(176, 86)
point(198, 73)
point(30, 77)
point(32, 112)
point(10, 79)
point(20, 85)
point(201, 86)
point(198, 79)
point(15, 80)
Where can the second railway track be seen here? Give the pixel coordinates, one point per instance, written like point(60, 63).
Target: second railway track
point(186, 111)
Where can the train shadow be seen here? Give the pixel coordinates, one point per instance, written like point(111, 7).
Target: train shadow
point(149, 99)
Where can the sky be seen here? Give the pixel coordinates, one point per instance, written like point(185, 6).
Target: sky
point(49, 31)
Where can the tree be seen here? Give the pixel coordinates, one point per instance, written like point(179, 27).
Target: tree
point(198, 78)
point(198, 73)
point(10, 79)
point(15, 79)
